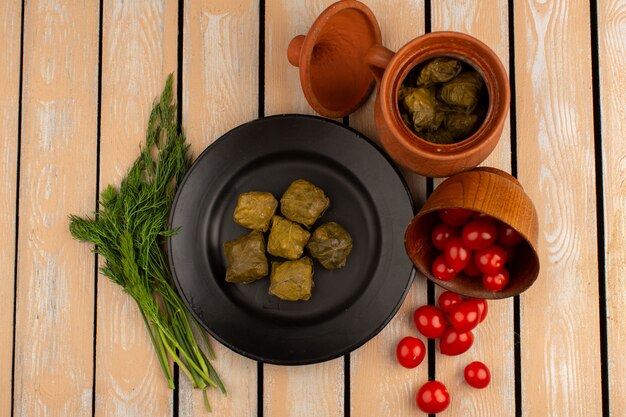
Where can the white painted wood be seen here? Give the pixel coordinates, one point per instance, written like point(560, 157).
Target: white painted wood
point(138, 51)
point(612, 49)
point(55, 282)
point(220, 85)
point(487, 21)
point(10, 29)
point(559, 314)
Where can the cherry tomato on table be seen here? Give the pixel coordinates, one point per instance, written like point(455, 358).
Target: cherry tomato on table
point(410, 352)
point(477, 375)
point(464, 316)
point(490, 260)
point(430, 321)
point(482, 306)
point(495, 282)
point(447, 299)
point(455, 217)
point(454, 342)
point(441, 270)
point(457, 254)
point(433, 397)
point(441, 234)
point(479, 234)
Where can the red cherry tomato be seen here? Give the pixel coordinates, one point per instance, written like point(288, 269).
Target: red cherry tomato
point(483, 216)
point(464, 316)
point(491, 259)
point(477, 375)
point(430, 321)
point(495, 282)
point(447, 299)
point(511, 251)
point(457, 255)
point(455, 217)
point(454, 342)
point(482, 306)
point(410, 352)
point(507, 236)
point(433, 397)
point(471, 270)
point(441, 234)
point(479, 234)
point(441, 270)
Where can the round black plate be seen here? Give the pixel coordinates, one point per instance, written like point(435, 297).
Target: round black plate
point(368, 197)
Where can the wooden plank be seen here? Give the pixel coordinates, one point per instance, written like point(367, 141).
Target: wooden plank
point(559, 314)
point(138, 51)
point(379, 386)
point(283, 386)
point(220, 85)
point(612, 62)
point(55, 283)
point(487, 21)
point(10, 30)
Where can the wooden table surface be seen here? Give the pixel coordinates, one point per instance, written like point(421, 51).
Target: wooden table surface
point(77, 80)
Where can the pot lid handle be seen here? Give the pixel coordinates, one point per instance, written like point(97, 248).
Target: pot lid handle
point(335, 78)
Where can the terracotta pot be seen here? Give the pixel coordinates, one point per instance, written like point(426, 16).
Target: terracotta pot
point(484, 190)
point(334, 59)
point(402, 144)
point(334, 76)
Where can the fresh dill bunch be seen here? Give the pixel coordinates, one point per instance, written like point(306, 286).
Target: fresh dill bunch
point(128, 231)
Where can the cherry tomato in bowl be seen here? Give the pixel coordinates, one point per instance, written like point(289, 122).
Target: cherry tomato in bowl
point(490, 260)
point(410, 352)
point(433, 397)
point(441, 234)
point(441, 270)
point(495, 282)
point(507, 236)
point(455, 217)
point(479, 234)
point(457, 254)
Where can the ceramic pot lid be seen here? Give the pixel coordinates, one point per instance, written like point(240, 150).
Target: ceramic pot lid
point(334, 76)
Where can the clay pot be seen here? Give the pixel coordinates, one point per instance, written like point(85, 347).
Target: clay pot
point(342, 54)
point(484, 190)
point(402, 144)
point(334, 76)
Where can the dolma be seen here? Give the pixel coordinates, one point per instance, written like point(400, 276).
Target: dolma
point(287, 239)
point(292, 280)
point(439, 136)
point(460, 125)
point(246, 259)
point(255, 210)
point(330, 244)
point(423, 108)
point(439, 70)
point(303, 202)
point(462, 92)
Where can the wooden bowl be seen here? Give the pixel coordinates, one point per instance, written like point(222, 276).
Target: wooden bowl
point(492, 192)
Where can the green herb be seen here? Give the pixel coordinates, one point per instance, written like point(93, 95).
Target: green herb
point(128, 231)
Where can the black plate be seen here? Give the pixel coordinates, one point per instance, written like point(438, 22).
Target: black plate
point(368, 197)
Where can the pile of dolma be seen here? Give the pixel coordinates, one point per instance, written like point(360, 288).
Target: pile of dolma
point(443, 100)
point(302, 205)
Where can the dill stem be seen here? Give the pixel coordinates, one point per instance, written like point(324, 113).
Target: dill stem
point(160, 352)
